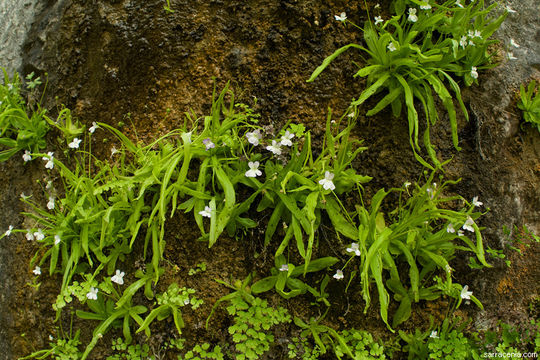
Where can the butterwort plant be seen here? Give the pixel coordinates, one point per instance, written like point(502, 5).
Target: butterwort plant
point(418, 54)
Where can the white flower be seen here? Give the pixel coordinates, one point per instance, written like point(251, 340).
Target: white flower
point(286, 139)
point(37, 271)
point(39, 235)
point(465, 294)
point(476, 203)
point(474, 34)
point(118, 277)
point(338, 275)
point(509, 9)
point(406, 184)
point(377, 6)
point(468, 224)
point(284, 267)
point(391, 47)
point(93, 127)
point(209, 144)
point(50, 204)
point(327, 182)
point(75, 143)
point(50, 160)
point(378, 20)
point(49, 185)
point(510, 56)
point(24, 197)
point(274, 148)
point(463, 41)
point(29, 235)
point(447, 268)
point(412, 15)
point(434, 335)
point(51, 338)
point(254, 137)
point(513, 43)
point(92, 294)
point(425, 6)
point(186, 301)
point(341, 17)
point(26, 156)
point(458, 3)
point(8, 231)
point(354, 249)
point(474, 74)
point(450, 228)
point(253, 169)
point(460, 233)
point(207, 212)
point(57, 239)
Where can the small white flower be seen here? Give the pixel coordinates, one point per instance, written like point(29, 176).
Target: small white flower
point(391, 47)
point(406, 184)
point(460, 233)
point(474, 73)
point(510, 56)
point(29, 235)
point(118, 277)
point(450, 228)
point(75, 143)
point(338, 275)
point(26, 156)
point(447, 268)
point(254, 137)
point(286, 139)
point(50, 160)
point(425, 6)
point(51, 338)
point(207, 212)
point(50, 204)
point(93, 127)
point(354, 249)
point(327, 182)
point(377, 6)
point(378, 20)
point(37, 271)
point(434, 335)
point(253, 169)
point(513, 43)
point(92, 294)
point(509, 9)
point(476, 203)
point(49, 185)
point(8, 231)
point(284, 267)
point(275, 148)
point(468, 224)
point(39, 235)
point(465, 294)
point(458, 3)
point(57, 239)
point(186, 301)
point(412, 15)
point(208, 143)
point(113, 151)
point(24, 197)
point(475, 34)
point(463, 41)
point(341, 17)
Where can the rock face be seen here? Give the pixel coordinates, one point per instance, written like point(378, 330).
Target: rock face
point(16, 17)
point(110, 58)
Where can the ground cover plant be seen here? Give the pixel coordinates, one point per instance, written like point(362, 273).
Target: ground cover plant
point(297, 196)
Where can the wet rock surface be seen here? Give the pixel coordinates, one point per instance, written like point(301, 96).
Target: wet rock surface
point(130, 61)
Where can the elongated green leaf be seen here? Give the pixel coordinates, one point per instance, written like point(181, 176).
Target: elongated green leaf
point(330, 58)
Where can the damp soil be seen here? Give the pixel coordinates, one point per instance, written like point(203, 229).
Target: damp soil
point(134, 65)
